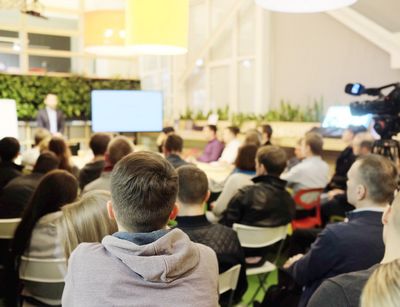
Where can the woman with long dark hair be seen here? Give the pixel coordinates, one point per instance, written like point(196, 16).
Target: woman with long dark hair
point(36, 235)
point(60, 148)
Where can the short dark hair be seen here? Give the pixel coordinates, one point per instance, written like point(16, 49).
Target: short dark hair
point(273, 158)
point(9, 148)
point(46, 162)
point(245, 159)
point(367, 144)
point(193, 185)
point(212, 128)
point(173, 143)
point(168, 129)
point(315, 141)
point(40, 135)
point(234, 130)
point(144, 186)
point(267, 129)
point(98, 143)
point(118, 148)
point(379, 174)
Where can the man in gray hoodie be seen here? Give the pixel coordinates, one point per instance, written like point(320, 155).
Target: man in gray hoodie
point(144, 264)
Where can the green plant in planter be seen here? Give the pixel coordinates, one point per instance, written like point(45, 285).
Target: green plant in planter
point(188, 115)
point(291, 112)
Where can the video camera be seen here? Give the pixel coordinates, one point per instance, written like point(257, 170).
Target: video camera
point(386, 108)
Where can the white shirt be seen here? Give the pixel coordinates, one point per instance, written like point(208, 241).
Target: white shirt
point(52, 114)
point(230, 151)
point(312, 172)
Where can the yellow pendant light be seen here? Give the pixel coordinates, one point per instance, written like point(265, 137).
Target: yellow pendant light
point(157, 26)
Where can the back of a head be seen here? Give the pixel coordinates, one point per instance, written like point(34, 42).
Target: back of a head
point(118, 148)
point(315, 141)
point(40, 135)
point(193, 185)
point(168, 130)
point(234, 130)
point(46, 162)
point(98, 143)
point(379, 175)
point(383, 286)
point(267, 129)
point(173, 143)
point(245, 159)
point(60, 148)
point(86, 220)
point(273, 158)
point(9, 149)
point(253, 136)
point(144, 186)
point(212, 128)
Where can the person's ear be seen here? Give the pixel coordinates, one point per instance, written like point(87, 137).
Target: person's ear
point(174, 212)
point(386, 214)
point(107, 157)
point(110, 210)
point(361, 192)
point(207, 196)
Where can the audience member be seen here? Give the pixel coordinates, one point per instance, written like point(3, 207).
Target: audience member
point(266, 131)
point(9, 150)
point(341, 247)
point(86, 220)
point(232, 145)
point(346, 288)
point(118, 148)
point(362, 143)
point(192, 195)
point(312, 172)
point(29, 157)
point(92, 170)
point(298, 156)
point(143, 257)
point(16, 194)
point(266, 203)
point(214, 148)
point(173, 147)
point(383, 287)
point(241, 177)
point(61, 149)
point(36, 235)
point(50, 118)
point(253, 136)
point(163, 136)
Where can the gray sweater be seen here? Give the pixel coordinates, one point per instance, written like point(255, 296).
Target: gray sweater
point(169, 271)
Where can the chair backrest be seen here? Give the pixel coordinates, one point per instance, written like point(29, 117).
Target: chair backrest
point(308, 198)
point(257, 237)
point(7, 227)
point(43, 270)
point(229, 279)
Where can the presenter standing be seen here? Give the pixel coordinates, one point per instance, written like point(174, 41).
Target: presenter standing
point(51, 118)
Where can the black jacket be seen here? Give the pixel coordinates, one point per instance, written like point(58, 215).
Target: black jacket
point(8, 171)
point(264, 204)
point(223, 240)
point(176, 160)
point(90, 172)
point(43, 121)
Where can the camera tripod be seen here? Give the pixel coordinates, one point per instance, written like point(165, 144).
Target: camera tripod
point(387, 147)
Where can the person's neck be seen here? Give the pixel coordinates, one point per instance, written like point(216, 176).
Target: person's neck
point(98, 158)
point(392, 249)
point(190, 210)
point(368, 204)
point(310, 155)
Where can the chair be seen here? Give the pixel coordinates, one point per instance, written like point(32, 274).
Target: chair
point(7, 228)
point(228, 281)
point(43, 279)
point(308, 199)
point(259, 237)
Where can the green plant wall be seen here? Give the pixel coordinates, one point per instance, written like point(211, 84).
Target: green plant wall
point(73, 92)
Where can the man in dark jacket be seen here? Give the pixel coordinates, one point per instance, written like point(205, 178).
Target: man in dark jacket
point(266, 203)
point(9, 150)
point(173, 147)
point(51, 118)
point(193, 193)
point(356, 244)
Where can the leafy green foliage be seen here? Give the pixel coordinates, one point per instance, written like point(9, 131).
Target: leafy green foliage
point(73, 92)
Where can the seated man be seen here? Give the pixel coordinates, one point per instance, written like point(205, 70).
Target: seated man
point(16, 194)
point(144, 264)
point(232, 145)
point(266, 203)
point(312, 172)
point(173, 147)
point(29, 157)
point(346, 288)
point(118, 148)
point(192, 195)
point(92, 170)
point(214, 148)
point(266, 131)
point(9, 151)
point(356, 244)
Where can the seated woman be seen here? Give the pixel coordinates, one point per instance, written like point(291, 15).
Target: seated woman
point(240, 177)
point(85, 220)
point(61, 149)
point(36, 235)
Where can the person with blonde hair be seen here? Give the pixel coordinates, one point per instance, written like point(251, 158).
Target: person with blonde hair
point(86, 220)
point(383, 287)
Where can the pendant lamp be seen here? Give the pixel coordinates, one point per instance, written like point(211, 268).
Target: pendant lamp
point(303, 6)
point(158, 27)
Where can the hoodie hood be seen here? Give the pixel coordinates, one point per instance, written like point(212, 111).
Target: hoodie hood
point(163, 260)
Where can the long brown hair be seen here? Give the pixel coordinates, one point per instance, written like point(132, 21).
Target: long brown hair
point(60, 148)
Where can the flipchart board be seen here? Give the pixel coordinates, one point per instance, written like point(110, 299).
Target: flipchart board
point(8, 118)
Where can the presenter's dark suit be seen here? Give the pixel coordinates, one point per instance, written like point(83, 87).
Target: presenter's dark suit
point(44, 122)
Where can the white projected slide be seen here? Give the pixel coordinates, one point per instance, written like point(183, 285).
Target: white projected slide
point(8, 118)
point(127, 111)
